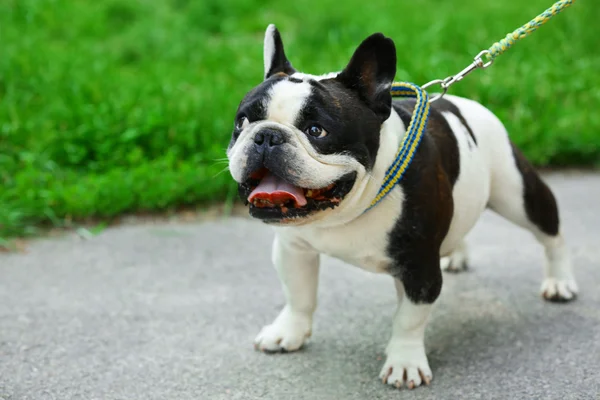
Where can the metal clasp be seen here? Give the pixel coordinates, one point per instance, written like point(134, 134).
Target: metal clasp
point(451, 80)
point(436, 82)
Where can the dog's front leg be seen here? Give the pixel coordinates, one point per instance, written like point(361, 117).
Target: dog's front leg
point(298, 269)
point(406, 362)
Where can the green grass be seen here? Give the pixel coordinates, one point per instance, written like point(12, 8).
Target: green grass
point(118, 106)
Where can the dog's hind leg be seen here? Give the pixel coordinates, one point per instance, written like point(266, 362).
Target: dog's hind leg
point(519, 195)
point(456, 261)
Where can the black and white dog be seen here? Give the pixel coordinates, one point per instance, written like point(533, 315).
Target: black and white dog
point(310, 153)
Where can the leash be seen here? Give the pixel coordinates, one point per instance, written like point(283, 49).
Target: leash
point(418, 122)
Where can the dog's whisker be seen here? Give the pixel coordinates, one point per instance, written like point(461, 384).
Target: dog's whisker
point(221, 171)
point(219, 163)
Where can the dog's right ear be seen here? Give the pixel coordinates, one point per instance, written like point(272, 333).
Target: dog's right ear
point(274, 55)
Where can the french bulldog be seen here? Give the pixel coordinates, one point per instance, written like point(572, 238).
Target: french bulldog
point(309, 154)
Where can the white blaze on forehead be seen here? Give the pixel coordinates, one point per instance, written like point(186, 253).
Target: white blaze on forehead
point(286, 100)
point(301, 75)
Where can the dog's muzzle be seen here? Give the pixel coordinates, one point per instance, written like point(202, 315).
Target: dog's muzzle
point(267, 138)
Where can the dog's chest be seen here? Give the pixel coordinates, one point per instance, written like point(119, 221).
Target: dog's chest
point(362, 242)
point(354, 248)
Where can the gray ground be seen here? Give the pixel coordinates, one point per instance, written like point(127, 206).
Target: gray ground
point(169, 311)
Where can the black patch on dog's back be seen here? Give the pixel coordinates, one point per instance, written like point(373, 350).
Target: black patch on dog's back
point(445, 105)
point(440, 132)
point(540, 204)
point(415, 240)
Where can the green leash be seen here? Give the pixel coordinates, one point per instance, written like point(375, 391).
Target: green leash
point(524, 31)
point(418, 122)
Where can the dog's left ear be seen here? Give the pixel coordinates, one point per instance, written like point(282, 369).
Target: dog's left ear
point(370, 73)
point(274, 55)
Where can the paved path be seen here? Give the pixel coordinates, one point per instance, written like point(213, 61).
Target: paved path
point(169, 311)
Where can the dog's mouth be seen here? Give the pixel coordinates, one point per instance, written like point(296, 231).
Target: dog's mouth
point(272, 198)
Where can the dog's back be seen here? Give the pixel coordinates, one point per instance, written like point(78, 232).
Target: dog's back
point(484, 167)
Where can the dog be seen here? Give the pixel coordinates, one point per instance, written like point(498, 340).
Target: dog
point(309, 154)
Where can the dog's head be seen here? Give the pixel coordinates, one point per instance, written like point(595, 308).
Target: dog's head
point(303, 146)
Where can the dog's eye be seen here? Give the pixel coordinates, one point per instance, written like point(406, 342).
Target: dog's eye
point(316, 131)
point(241, 122)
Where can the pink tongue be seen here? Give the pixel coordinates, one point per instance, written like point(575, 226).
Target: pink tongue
point(277, 191)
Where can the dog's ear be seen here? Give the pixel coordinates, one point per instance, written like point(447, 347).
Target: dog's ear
point(274, 55)
point(370, 73)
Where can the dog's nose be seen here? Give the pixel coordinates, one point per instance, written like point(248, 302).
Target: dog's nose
point(269, 137)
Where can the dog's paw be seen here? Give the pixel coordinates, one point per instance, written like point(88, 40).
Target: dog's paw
point(455, 262)
point(287, 333)
point(406, 365)
point(559, 290)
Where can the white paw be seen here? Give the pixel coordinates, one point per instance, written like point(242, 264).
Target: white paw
point(455, 262)
point(559, 290)
point(287, 333)
point(406, 365)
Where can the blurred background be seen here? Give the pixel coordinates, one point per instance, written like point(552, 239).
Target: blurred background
point(123, 106)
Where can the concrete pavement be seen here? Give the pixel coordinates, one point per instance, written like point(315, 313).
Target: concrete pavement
point(169, 311)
